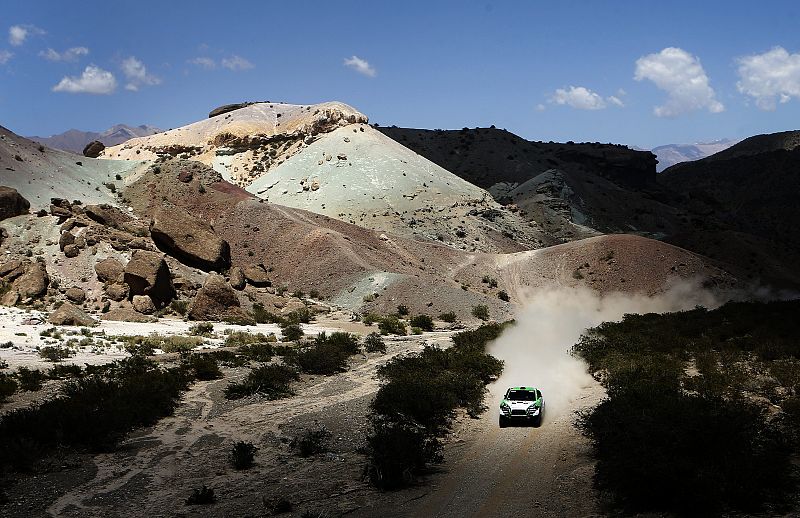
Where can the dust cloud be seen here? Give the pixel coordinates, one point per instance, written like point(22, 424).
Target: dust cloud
point(536, 349)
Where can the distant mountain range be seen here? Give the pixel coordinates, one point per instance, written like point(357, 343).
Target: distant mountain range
point(75, 140)
point(671, 154)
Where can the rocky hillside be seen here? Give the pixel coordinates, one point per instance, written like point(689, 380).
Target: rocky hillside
point(76, 140)
point(671, 154)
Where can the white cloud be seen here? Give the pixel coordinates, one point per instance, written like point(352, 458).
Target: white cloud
point(361, 66)
point(17, 34)
point(137, 75)
point(770, 77)
point(5, 56)
point(202, 62)
point(581, 98)
point(681, 75)
point(94, 80)
point(540, 107)
point(236, 63)
point(71, 54)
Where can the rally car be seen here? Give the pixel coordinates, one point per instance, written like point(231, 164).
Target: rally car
point(522, 404)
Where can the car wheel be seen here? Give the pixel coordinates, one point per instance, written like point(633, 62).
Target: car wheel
point(502, 422)
point(537, 421)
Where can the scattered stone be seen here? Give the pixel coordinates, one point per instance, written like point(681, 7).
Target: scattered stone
point(69, 315)
point(12, 203)
point(72, 251)
point(76, 295)
point(191, 241)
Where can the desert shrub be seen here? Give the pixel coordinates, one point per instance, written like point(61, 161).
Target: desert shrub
point(258, 352)
point(314, 294)
point(30, 379)
point(51, 332)
point(62, 371)
point(8, 386)
point(373, 343)
point(202, 495)
point(202, 329)
point(448, 317)
point(242, 454)
point(298, 294)
point(272, 381)
point(280, 506)
point(204, 367)
point(391, 325)
point(423, 322)
point(311, 442)
point(95, 411)
point(228, 358)
point(177, 343)
point(300, 316)
point(370, 318)
point(328, 354)
point(3, 364)
point(402, 310)
point(502, 295)
point(179, 307)
point(398, 452)
point(291, 332)
point(240, 338)
point(53, 353)
point(481, 311)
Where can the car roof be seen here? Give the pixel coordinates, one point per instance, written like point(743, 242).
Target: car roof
point(522, 388)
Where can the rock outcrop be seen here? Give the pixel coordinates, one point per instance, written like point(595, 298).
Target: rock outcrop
point(143, 304)
point(12, 203)
point(191, 241)
point(108, 215)
point(148, 274)
point(25, 281)
point(237, 278)
point(93, 149)
point(70, 315)
point(109, 270)
point(257, 275)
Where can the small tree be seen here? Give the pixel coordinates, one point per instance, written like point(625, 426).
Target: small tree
point(423, 322)
point(373, 343)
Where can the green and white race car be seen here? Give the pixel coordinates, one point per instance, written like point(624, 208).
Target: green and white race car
point(522, 404)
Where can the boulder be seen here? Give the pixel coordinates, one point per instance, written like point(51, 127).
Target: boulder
point(143, 304)
point(69, 315)
point(128, 315)
point(225, 108)
point(185, 176)
point(107, 215)
point(217, 300)
point(117, 291)
point(191, 241)
point(148, 274)
point(109, 270)
point(12, 203)
point(93, 149)
point(12, 269)
point(237, 279)
point(33, 283)
point(72, 251)
point(10, 298)
point(67, 238)
point(61, 208)
point(76, 295)
point(257, 275)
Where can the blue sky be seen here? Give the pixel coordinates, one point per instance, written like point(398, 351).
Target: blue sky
point(635, 72)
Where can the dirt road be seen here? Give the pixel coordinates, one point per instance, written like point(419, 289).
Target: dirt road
point(515, 471)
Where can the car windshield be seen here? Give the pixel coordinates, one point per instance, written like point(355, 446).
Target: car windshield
point(521, 395)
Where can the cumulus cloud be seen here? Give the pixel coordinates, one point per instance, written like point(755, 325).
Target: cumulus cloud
point(682, 77)
point(361, 66)
point(137, 75)
point(17, 34)
point(5, 56)
point(770, 77)
point(582, 98)
point(236, 63)
point(203, 62)
point(71, 54)
point(93, 80)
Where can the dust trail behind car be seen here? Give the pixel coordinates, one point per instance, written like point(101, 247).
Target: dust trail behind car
point(536, 348)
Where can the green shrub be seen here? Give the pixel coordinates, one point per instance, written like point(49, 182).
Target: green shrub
point(502, 295)
point(370, 318)
point(257, 352)
point(448, 317)
point(423, 322)
point(327, 354)
point(179, 307)
point(262, 316)
point(398, 452)
point(202, 329)
point(61, 371)
point(312, 442)
point(481, 311)
point(373, 343)
point(8, 386)
point(272, 381)
point(300, 316)
point(402, 310)
point(291, 332)
point(391, 325)
point(204, 367)
point(239, 338)
point(54, 354)
point(242, 455)
point(30, 380)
